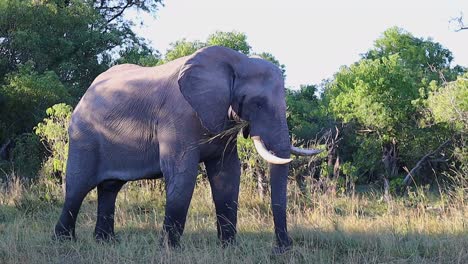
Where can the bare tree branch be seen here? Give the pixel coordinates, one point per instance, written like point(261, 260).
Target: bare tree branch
point(120, 12)
point(410, 174)
point(112, 10)
point(460, 25)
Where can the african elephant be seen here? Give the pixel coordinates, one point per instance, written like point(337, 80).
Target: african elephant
point(152, 122)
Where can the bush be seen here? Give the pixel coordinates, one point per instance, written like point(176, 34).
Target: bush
point(27, 155)
point(449, 105)
point(27, 94)
point(53, 131)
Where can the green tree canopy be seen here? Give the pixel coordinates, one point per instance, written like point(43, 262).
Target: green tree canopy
point(27, 94)
point(113, 10)
point(182, 48)
point(305, 114)
point(375, 93)
point(426, 59)
point(234, 40)
point(449, 104)
point(142, 56)
point(69, 37)
point(383, 96)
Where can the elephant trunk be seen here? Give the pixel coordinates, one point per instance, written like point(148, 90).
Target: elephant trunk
point(279, 181)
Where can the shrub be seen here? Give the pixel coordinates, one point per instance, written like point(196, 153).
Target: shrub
point(26, 95)
point(27, 155)
point(53, 131)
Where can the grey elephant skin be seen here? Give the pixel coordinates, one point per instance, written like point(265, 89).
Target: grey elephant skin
point(152, 122)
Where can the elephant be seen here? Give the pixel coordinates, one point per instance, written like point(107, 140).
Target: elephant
point(138, 122)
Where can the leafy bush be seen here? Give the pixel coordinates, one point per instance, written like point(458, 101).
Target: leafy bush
point(449, 104)
point(27, 94)
point(27, 155)
point(53, 131)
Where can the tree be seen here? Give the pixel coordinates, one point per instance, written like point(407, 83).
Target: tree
point(377, 96)
point(139, 55)
point(50, 52)
point(113, 10)
point(383, 95)
point(27, 94)
point(375, 93)
point(182, 48)
point(458, 23)
point(234, 40)
point(448, 106)
point(66, 44)
point(69, 37)
point(426, 59)
point(305, 113)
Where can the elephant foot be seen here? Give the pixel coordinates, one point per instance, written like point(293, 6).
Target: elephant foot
point(104, 237)
point(228, 242)
point(63, 234)
point(169, 242)
point(281, 250)
point(283, 247)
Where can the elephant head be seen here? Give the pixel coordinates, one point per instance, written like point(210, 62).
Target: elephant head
point(216, 79)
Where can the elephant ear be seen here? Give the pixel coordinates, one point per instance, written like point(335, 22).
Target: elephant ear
point(206, 81)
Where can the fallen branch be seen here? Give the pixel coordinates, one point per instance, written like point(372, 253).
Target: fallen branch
point(421, 162)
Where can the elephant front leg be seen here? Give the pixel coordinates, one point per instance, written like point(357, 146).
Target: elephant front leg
point(180, 178)
point(224, 176)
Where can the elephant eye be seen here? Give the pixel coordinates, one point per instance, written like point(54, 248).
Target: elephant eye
point(259, 105)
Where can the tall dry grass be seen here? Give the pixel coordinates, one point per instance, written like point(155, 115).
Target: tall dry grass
point(326, 228)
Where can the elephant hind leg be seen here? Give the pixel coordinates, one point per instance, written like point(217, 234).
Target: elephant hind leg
point(65, 227)
point(107, 194)
point(80, 179)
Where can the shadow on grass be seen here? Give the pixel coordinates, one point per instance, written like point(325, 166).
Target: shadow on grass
point(26, 238)
point(310, 246)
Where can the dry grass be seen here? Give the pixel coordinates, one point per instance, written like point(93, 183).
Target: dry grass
point(325, 229)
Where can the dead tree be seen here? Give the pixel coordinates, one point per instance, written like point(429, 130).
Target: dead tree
point(4, 150)
point(332, 139)
point(390, 164)
point(459, 23)
point(420, 163)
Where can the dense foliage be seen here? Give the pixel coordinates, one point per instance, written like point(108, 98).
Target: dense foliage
point(51, 50)
point(375, 119)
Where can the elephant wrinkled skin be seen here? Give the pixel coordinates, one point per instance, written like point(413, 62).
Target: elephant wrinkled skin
point(150, 122)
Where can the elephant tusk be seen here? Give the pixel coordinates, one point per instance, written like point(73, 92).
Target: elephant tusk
point(265, 154)
point(304, 152)
point(233, 115)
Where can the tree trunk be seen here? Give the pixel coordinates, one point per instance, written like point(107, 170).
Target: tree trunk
point(260, 182)
point(336, 168)
point(300, 180)
point(418, 165)
point(4, 150)
point(389, 160)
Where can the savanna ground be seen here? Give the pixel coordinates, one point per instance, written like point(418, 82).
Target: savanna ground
point(354, 228)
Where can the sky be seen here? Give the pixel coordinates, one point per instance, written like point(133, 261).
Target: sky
point(312, 38)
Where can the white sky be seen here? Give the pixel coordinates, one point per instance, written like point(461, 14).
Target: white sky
point(312, 38)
